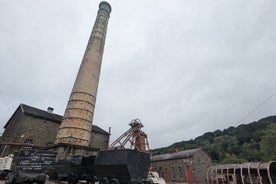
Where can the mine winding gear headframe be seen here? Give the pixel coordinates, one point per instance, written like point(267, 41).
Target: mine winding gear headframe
point(138, 139)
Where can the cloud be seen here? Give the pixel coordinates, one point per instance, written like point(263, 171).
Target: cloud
point(183, 68)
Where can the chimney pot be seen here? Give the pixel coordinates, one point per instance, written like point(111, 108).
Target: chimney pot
point(50, 109)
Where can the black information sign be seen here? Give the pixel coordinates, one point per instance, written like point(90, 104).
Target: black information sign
point(32, 161)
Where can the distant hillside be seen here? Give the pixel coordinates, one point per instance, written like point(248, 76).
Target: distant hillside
point(255, 141)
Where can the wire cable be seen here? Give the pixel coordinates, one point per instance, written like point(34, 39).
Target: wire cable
point(257, 107)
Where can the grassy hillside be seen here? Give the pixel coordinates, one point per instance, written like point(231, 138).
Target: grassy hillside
point(255, 141)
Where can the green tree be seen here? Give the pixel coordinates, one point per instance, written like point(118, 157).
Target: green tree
point(235, 143)
point(268, 143)
point(232, 159)
point(251, 151)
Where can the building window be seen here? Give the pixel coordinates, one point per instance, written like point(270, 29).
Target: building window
point(173, 174)
point(161, 172)
point(180, 173)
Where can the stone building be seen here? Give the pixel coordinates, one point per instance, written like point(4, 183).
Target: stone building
point(38, 128)
point(189, 166)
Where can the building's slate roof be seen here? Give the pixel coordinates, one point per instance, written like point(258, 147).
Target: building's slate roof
point(40, 113)
point(95, 128)
point(180, 154)
point(32, 111)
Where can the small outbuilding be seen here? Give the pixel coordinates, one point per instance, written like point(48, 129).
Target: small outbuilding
point(189, 166)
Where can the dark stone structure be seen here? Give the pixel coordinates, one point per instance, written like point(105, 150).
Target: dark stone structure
point(38, 128)
point(189, 166)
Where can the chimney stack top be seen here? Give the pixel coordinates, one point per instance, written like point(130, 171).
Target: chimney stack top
point(105, 6)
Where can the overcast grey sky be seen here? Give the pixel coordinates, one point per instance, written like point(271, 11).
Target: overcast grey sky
point(183, 67)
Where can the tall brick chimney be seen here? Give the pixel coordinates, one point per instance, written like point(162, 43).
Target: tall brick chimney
point(75, 128)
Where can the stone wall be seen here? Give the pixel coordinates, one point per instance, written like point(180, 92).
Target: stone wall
point(184, 170)
point(98, 140)
point(42, 132)
point(29, 129)
point(10, 133)
point(23, 128)
point(200, 166)
point(173, 170)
